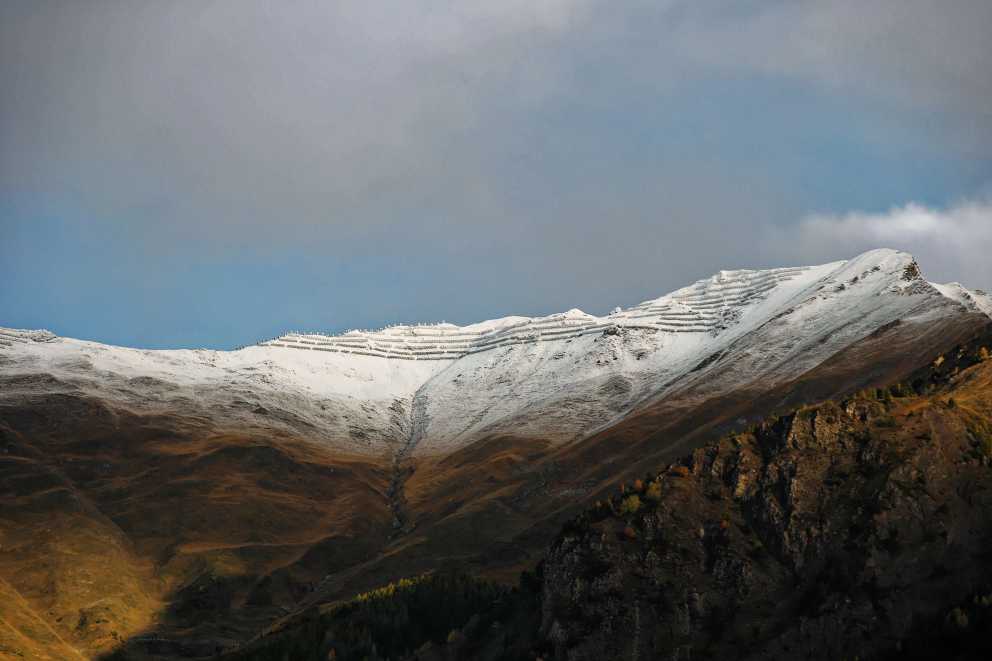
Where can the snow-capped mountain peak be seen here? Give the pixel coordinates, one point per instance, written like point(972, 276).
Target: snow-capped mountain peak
point(429, 388)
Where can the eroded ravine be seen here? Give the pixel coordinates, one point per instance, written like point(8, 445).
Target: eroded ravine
point(401, 470)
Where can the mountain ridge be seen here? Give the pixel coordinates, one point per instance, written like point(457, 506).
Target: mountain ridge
point(350, 396)
point(733, 280)
point(247, 484)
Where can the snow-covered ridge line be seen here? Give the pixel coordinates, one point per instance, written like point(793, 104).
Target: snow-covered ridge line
point(557, 378)
point(702, 307)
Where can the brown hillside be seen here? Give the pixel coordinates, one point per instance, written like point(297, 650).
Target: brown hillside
point(181, 538)
point(851, 529)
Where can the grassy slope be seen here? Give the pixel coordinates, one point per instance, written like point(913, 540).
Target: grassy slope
point(115, 526)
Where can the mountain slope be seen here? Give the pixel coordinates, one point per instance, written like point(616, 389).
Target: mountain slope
point(850, 529)
point(838, 531)
point(248, 484)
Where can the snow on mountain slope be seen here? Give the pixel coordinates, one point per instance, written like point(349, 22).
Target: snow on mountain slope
point(704, 306)
point(973, 299)
point(355, 402)
point(433, 388)
point(562, 390)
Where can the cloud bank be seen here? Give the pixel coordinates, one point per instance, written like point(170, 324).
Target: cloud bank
point(951, 244)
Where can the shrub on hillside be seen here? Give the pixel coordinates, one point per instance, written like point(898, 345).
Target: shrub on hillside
point(630, 505)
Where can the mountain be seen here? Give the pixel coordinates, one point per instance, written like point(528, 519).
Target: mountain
point(231, 488)
point(440, 387)
point(856, 528)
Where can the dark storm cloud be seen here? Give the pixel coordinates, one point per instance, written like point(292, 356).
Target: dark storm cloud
point(514, 156)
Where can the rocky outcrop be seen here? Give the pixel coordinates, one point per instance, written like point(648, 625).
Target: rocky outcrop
point(838, 531)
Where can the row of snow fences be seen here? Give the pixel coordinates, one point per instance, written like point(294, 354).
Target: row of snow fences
point(435, 342)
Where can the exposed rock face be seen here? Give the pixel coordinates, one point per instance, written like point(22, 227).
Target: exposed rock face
point(835, 532)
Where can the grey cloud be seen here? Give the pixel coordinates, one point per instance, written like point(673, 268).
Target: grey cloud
point(930, 54)
point(229, 111)
point(923, 50)
point(244, 114)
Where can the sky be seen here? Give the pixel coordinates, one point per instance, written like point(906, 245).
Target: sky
point(209, 173)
